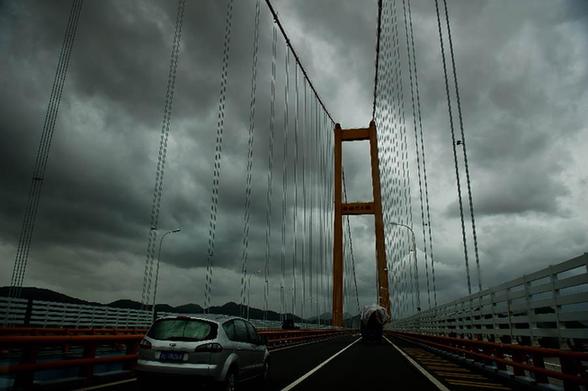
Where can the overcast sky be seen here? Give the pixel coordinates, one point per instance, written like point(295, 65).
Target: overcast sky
point(522, 67)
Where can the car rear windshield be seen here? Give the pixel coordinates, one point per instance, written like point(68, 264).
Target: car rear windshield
point(182, 330)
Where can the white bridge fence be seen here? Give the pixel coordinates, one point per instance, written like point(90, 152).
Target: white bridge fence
point(38, 313)
point(548, 307)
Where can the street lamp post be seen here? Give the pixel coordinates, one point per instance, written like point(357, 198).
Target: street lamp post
point(418, 295)
point(173, 231)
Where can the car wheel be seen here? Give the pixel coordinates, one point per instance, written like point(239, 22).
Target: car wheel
point(266, 369)
point(230, 383)
point(142, 382)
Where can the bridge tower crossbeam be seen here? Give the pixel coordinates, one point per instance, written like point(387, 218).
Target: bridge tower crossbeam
point(357, 208)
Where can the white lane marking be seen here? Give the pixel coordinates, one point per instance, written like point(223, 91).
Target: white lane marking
point(309, 373)
point(116, 383)
point(303, 344)
point(422, 370)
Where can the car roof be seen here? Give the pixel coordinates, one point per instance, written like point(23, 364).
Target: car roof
point(218, 318)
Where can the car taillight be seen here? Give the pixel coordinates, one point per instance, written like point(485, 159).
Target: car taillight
point(146, 345)
point(209, 347)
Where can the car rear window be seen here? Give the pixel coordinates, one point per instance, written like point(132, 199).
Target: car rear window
point(182, 330)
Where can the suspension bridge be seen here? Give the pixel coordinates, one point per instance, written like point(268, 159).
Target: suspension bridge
point(295, 237)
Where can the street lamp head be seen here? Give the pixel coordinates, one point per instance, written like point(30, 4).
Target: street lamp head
point(177, 230)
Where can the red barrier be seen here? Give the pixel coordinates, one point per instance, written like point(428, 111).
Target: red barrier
point(29, 346)
point(523, 358)
point(68, 331)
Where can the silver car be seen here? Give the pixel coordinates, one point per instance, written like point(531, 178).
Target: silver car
point(211, 348)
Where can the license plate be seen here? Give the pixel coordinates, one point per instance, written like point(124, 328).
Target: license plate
point(171, 356)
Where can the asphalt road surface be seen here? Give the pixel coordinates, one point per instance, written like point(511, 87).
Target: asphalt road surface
point(342, 363)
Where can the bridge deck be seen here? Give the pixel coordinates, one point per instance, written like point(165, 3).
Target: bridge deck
point(345, 363)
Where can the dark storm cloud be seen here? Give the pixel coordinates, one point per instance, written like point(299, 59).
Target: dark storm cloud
point(522, 72)
point(100, 176)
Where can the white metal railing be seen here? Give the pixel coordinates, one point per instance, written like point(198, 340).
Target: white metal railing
point(47, 313)
point(39, 313)
point(259, 323)
point(13, 311)
point(548, 305)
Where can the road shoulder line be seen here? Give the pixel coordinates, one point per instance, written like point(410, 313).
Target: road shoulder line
point(422, 370)
point(106, 385)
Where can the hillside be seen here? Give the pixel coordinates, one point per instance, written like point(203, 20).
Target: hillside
point(229, 308)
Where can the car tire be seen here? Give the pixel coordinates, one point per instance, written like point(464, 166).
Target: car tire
point(142, 382)
point(266, 370)
point(230, 382)
point(264, 378)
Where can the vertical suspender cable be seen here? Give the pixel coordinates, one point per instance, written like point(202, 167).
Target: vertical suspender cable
point(463, 145)
point(350, 244)
point(323, 222)
point(284, 185)
point(162, 156)
point(295, 211)
point(453, 142)
point(218, 154)
point(32, 206)
point(326, 204)
point(404, 155)
point(268, 200)
point(304, 204)
point(418, 154)
point(250, 141)
point(422, 146)
point(320, 227)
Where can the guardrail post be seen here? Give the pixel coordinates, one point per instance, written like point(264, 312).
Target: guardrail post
point(87, 371)
point(29, 312)
point(498, 353)
point(538, 362)
point(132, 348)
point(24, 380)
point(570, 366)
point(518, 357)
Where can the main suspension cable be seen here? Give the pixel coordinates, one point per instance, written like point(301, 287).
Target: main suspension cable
point(377, 58)
point(277, 21)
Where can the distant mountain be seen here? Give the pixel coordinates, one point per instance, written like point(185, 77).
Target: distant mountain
point(126, 303)
point(183, 309)
point(325, 317)
point(235, 309)
point(230, 308)
point(46, 295)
